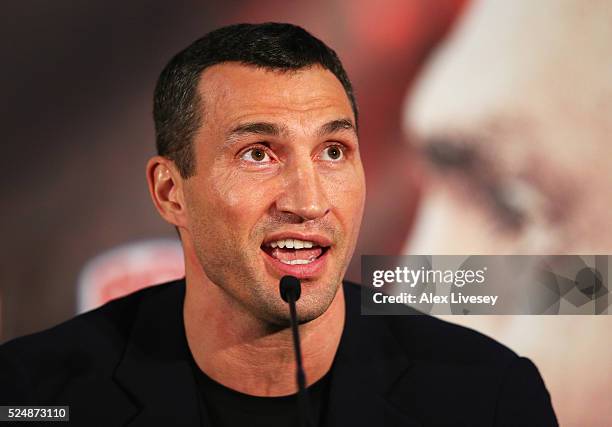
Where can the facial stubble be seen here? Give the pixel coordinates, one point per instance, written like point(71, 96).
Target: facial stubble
point(238, 272)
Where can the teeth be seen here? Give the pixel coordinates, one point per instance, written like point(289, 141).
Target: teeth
point(296, 261)
point(292, 244)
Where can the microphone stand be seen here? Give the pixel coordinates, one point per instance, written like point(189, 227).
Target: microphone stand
point(290, 290)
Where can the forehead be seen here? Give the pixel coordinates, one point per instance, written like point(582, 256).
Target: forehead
point(232, 92)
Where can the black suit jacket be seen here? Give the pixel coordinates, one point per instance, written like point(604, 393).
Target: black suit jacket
point(128, 364)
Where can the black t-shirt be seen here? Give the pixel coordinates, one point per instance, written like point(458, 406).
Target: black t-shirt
point(228, 408)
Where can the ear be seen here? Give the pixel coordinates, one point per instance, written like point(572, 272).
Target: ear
point(166, 189)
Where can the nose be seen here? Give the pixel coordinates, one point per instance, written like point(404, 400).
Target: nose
point(303, 192)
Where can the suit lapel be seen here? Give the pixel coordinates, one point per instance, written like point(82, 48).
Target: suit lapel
point(369, 360)
point(156, 370)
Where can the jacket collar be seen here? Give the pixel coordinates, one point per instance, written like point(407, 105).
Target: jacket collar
point(368, 363)
point(156, 370)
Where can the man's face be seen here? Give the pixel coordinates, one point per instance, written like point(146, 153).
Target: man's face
point(279, 186)
point(515, 118)
point(517, 137)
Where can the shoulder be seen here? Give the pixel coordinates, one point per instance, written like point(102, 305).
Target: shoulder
point(91, 343)
point(423, 336)
point(462, 367)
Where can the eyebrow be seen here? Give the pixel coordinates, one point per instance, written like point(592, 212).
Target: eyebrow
point(258, 128)
point(254, 128)
point(481, 164)
point(272, 129)
point(447, 154)
point(336, 126)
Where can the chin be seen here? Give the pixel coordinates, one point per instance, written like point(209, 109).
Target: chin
point(309, 307)
point(308, 317)
point(312, 306)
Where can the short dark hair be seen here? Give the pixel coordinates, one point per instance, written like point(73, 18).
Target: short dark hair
point(276, 46)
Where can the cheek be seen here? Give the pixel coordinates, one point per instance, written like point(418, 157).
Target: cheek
point(346, 193)
point(238, 202)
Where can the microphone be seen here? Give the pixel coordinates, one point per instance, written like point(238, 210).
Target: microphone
point(290, 291)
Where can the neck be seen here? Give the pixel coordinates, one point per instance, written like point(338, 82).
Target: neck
point(249, 355)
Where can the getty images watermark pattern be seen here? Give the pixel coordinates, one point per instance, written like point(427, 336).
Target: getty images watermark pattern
point(491, 284)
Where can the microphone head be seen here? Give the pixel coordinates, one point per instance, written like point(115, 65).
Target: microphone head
point(290, 287)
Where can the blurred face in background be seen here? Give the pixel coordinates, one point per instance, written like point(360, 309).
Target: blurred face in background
point(279, 186)
point(514, 119)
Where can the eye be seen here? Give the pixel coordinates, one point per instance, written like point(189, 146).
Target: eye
point(256, 155)
point(517, 203)
point(332, 153)
point(506, 209)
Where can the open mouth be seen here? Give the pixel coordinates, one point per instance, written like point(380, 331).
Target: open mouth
point(294, 251)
